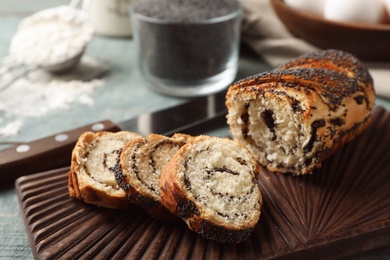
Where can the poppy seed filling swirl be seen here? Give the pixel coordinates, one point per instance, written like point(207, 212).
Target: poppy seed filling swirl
point(227, 187)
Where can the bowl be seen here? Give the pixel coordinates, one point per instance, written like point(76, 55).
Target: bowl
point(367, 41)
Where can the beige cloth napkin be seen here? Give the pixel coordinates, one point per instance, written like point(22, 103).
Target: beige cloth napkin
point(268, 37)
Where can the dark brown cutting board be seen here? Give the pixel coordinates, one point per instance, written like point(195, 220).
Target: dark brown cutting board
point(342, 209)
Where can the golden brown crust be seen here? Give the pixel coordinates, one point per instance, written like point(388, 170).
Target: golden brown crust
point(127, 171)
point(82, 185)
point(170, 191)
point(180, 137)
point(122, 179)
point(330, 91)
point(334, 60)
point(176, 198)
point(343, 63)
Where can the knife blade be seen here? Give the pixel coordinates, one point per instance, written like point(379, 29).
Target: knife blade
point(55, 151)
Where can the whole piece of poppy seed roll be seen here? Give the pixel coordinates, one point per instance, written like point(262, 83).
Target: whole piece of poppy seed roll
point(91, 177)
point(211, 183)
point(295, 116)
point(139, 167)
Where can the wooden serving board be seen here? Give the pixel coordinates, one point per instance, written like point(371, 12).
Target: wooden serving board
point(342, 209)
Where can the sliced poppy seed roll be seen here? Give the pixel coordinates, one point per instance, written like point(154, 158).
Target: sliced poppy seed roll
point(139, 168)
point(91, 176)
point(211, 183)
point(294, 117)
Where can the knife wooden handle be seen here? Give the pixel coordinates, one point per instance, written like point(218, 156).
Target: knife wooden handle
point(46, 153)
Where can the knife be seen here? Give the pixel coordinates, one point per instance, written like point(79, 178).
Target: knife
point(55, 151)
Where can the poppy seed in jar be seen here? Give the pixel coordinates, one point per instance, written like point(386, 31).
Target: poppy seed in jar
point(186, 40)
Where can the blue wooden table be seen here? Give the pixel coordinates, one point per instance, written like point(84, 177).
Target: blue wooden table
point(124, 95)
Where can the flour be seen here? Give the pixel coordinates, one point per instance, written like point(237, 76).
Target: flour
point(11, 129)
point(48, 37)
point(39, 93)
point(27, 98)
point(51, 36)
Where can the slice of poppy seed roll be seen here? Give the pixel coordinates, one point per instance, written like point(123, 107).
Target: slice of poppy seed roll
point(139, 168)
point(294, 117)
point(211, 183)
point(91, 176)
